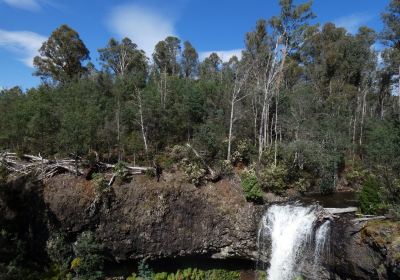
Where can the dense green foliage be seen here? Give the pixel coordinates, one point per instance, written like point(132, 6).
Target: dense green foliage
point(325, 102)
point(370, 201)
point(251, 188)
point(88, 263)
point(189, 274)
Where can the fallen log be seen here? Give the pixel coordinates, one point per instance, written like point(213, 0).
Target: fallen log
point(359, 220)
point(341, 210)
point(47, 168)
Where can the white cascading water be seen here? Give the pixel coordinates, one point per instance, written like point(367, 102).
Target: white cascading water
point(321, 244)
point(322, 239)
point(290, 229)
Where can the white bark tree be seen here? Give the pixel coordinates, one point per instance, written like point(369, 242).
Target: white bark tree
point(237, 94)
point(137, 96)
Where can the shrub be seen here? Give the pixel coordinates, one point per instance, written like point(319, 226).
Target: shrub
point(242, 152)
point(302, 185)
point(119, 170)
point(273, 178)
point(88, 264)
point(370, 201)
point(194, 172)
point(179, 152)
point(132, 277)
point(251, 188)
point(100, 183)
point(224, 168)
point(197, 274)
point(144, 270)
point(59, 251)
point(220, 274)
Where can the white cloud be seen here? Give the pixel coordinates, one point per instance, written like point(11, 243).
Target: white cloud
point(31, 5)
point(224, 55)
point(352, 22)
point(24, 44)
point(144, 26)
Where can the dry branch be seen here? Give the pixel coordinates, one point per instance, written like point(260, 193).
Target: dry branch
point(45, 168)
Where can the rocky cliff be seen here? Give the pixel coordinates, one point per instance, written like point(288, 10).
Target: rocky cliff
point(146, 218)
point(171, 218)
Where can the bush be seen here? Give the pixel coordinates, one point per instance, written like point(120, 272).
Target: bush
point(242, 152)
point(194, 172)
point(197, 274)
point(302, 185)
point(144, 270)
point(370, 201)
point(100, 183)
point(132, 277)
point(251, 188)
point(220, 274)
point(179, 152)
point(89, 261)
point(60, 253)
point(224, 168)
point(119, 170)
point(273, 178)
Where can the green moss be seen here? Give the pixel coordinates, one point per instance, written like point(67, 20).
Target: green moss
point(385, 235)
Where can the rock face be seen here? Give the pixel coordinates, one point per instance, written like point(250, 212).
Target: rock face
point(365, 250)
point(149, 219)
point(169, 219)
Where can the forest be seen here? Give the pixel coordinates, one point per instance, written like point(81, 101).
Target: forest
point(307, 106)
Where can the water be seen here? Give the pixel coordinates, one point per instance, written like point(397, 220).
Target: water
point(322, 242)
point(291, 232)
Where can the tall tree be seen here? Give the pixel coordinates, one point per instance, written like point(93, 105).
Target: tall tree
point(292, 23)
point(190, 60)
point(123, 57)
point(390, 36)
point(236, 89)
point(165, 58)
point(126, 62)
point(166, 54)
point(211, 66)
point(61, 56)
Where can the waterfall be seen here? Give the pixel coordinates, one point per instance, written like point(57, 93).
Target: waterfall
point(289, 232)
point(322, 239)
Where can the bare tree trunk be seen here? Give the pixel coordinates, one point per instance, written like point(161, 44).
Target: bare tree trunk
point(119, 128)
point(363, 111)
point(141, 120)
point(230, 129)
point(277, 88)
point(276, 123)
point(237, 88)
point(398, 92)
point(355, 123)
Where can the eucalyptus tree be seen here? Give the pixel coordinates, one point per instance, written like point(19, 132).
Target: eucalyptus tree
point(123, 58)
point(61, 56)
point(190, 60)
point(126, 62)
point(165, 57)
point(289, 29)
point(211, 67)
point(390, 36)
point(240, 77)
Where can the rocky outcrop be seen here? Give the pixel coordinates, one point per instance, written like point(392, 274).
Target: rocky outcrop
point(166, 219)
point(170, 219)
point(365, 250)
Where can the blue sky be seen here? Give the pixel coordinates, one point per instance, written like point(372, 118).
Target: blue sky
point(217, 25)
